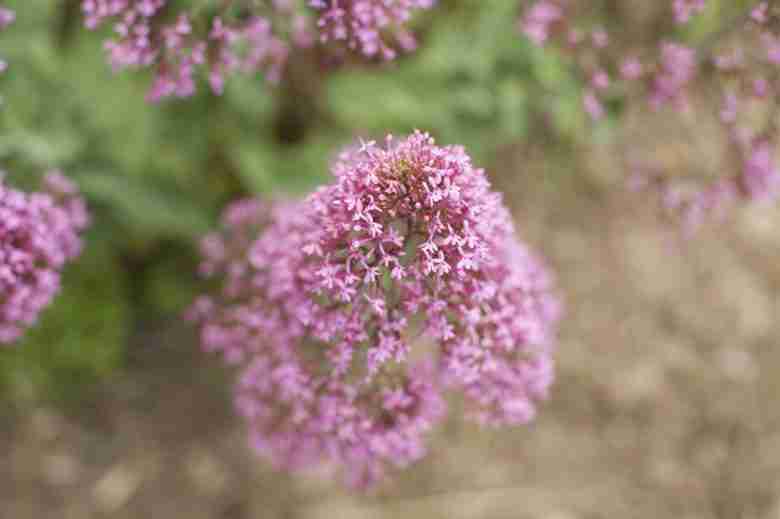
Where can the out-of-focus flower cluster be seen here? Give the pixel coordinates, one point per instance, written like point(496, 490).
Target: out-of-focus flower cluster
point(684, 10)
point(7, 17)
point(256, 38)
point(146, 36)
point(663, 77)
point(352, 312)
point(744, 58)
point(39, 233)
point(371, 27)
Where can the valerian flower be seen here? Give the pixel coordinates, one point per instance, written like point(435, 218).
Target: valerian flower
point(39, 234)
point(353, 312)
point(684, 10)
point(372, 27)
point(144, 37)
point(252, 39)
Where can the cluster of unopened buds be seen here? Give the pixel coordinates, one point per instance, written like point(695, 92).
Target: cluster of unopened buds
point(7, 17)
point(39, 234)
point(247, 38)
point(351, 313)
point(742, 61)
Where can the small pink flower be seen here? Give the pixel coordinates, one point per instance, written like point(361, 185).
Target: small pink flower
point(600, 80)
point(593, 105)
point(760, 87)
point(374, 28)
point(728, 113)
point(684, 10)
point(631, 69)
point(7, 17)
point(759, 14)
point(677, 69)
point(538, 20)
point(600, 38)
point(760, 174)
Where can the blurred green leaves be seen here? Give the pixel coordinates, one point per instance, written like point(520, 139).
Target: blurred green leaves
point(474, 81)
point(143, 210)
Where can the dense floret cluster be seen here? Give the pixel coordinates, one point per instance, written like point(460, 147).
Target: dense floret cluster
point(39, 233)
point(352, 312)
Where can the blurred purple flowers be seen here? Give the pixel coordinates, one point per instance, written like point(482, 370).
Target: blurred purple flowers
point(39, 233)
point(539, 18)
point(684, 10)
point(760, 177)
point(350, 313)
point(258, 41)
point(677, 68)
point(177, 52)
point(745, 58)
point(371, 27)
point(7, 17)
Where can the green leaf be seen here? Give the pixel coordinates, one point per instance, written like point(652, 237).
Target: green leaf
point(145, 209)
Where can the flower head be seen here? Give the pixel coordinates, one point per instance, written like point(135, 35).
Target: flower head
point(38, 235)
point(684, 10)
point(760, 177)
point(677, 69)
point(539, 19)
point(355, 309)
point(176, 51)
point(371, 27)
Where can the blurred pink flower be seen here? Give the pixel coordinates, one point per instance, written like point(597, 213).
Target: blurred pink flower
point(39, 233)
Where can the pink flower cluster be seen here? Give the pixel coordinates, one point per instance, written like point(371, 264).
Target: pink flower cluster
point(745, 60)
point(667, 78)
point(39, 233)
point(684, 10)
point(7, 17)
point(760, 178)
point(538, 20)
point(676, 69)
point(352, 312)
point(176, 51)
point(368, 26)
point(146, 34)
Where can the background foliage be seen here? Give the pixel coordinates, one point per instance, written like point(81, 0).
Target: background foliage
point(156, 176)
